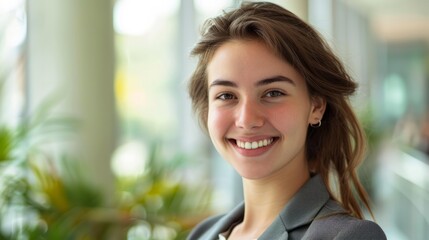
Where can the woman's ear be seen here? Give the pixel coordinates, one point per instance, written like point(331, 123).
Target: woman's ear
point(318, 106)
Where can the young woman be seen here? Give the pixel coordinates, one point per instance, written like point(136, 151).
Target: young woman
point(274, 101)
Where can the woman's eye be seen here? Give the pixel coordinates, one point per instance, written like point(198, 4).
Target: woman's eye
point(225, 96)
point(274, 93)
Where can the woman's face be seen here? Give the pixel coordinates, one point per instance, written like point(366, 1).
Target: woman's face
point(259, 110)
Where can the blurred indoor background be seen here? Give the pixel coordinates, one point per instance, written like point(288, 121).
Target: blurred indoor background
point(98, 141)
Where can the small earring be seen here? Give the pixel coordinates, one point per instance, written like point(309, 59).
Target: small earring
point(317, 125)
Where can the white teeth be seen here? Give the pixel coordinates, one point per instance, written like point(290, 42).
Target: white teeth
point(254, 145)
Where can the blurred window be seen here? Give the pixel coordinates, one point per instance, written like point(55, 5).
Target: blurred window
point(395, 95)
point(12, 40)
point(146, 46)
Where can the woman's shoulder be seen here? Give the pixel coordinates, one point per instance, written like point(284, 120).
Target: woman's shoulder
point(361, 229)
point(343, 226)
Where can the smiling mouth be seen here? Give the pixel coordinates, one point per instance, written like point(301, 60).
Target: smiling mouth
point(255, 144)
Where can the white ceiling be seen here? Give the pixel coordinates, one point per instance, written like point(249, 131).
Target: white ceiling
point(396, 20)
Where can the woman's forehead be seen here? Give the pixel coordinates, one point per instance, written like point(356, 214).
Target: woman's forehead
point(248, 60)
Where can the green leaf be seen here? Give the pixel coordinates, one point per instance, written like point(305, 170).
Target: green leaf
point(80, 192)
point(7, 143)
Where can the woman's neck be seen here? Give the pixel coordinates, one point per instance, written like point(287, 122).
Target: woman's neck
point(265, 198)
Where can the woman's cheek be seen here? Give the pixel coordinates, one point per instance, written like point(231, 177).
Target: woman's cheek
point(217, 122)
point(211, 121)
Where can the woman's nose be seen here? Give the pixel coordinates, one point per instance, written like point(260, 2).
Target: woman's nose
point(249, 116)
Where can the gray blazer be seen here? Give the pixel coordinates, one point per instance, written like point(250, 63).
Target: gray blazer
point(310, 214)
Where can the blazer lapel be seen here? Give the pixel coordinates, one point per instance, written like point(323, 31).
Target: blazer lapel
point(276, 231)
point(306, 203)
point(225, 222)
point(300, 210)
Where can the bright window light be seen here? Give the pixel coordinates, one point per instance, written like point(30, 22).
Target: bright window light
point(129, 160)
point(212, 8)
point(7, 6)
point(136, 17)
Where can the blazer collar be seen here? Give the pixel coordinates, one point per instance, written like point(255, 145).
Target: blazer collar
point(306, 203)
point(225, 222)
point(299, 211)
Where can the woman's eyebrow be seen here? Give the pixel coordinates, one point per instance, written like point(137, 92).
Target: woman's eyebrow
point(227, 83)
point(275, 79)
point(221, 82)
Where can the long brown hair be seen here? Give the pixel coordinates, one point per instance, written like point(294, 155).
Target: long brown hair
point(337, 147)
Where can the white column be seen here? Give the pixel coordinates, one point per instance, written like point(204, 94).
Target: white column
point(321, 16)
point(190, 136)
point(71, 56)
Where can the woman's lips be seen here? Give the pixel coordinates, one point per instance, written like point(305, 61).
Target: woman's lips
point(254, 144)
point(253, 148)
